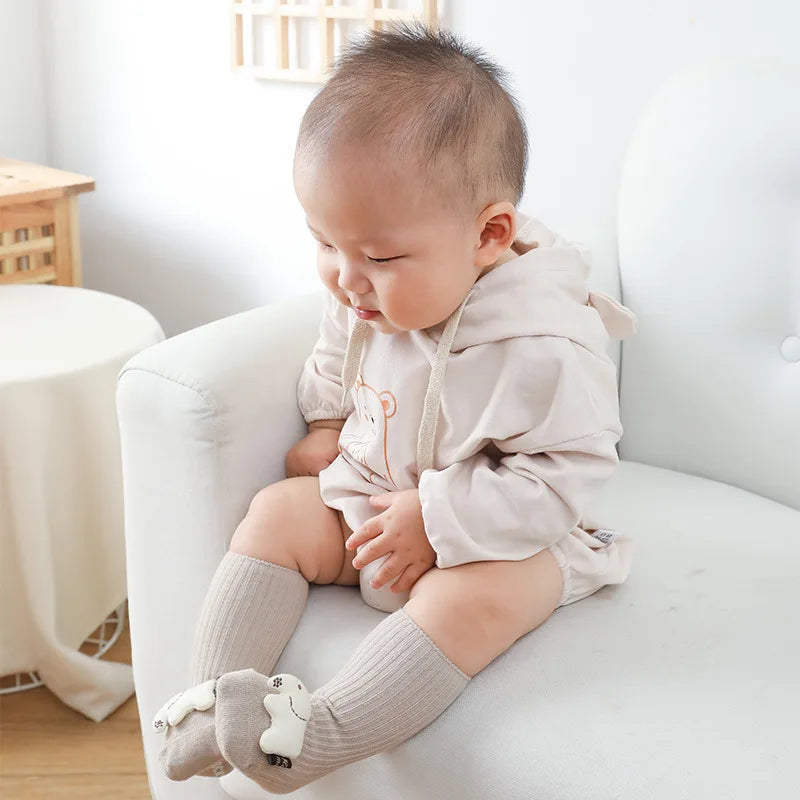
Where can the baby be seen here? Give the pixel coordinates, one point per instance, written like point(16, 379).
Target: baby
point(462, 414)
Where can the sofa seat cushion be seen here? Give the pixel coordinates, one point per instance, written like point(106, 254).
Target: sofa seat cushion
point(679, 683)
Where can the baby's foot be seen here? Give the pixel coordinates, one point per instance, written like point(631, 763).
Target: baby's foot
point(261, 724)
point(191, 748)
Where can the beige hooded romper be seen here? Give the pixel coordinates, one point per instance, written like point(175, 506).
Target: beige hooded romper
point(504, 417)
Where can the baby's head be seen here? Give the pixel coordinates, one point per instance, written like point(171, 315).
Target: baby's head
point(410, 162)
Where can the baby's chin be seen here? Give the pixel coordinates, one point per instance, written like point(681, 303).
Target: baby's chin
point(383, 325)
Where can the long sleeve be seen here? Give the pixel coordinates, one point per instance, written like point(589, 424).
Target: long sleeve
point(546, 447)
point(319, 390)
point(514, 509)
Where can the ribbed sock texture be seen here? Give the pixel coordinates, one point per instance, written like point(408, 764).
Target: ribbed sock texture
point(394, 685)
point(251, 610)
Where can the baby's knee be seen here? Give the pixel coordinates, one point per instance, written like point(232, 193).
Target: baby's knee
point(262, 532)
point(459, 596)
point(288, 524)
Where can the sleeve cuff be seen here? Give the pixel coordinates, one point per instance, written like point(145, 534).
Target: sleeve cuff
point(432, 519)
point(325, 413)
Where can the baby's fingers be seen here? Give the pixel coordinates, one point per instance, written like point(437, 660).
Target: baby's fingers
point(369, 530)
point(387, 572)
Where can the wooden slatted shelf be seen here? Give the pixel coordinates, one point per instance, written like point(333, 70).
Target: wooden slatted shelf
point(39, 231)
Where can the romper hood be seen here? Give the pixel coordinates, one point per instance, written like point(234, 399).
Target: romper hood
point(538, 289)
point(546, 276)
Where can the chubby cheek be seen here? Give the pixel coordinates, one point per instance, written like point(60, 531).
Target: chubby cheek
point(409, 313)
point(330, 277)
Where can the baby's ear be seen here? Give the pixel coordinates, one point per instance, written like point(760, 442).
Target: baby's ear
point(497, 225)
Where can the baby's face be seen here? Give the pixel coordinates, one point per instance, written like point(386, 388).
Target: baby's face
point(385, 244)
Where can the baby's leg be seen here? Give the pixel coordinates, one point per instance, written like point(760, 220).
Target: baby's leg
point(289, 525)
point(406, 672)
point(475, 612)
point(287, 539)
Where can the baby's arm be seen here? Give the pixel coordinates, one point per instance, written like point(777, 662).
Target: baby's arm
point(319, 391)
point(544, 447)
point(316, 451)
point(319, 395)
point(477, 510)
point(332, 424)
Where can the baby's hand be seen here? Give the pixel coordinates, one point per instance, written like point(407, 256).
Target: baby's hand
point(313, 453)
point(399, 530)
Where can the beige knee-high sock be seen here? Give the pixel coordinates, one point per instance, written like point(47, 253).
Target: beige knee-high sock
point(250, 612)
point(395, 684)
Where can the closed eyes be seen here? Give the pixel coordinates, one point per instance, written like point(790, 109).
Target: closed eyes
point(329, 249)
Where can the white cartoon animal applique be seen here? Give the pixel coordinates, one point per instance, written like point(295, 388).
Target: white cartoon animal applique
point(198, 698)
point(290, 709)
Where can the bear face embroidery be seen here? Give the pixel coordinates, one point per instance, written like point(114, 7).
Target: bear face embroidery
point(374, 410)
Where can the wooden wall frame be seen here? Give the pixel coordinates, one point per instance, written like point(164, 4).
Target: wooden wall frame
point(247, 13)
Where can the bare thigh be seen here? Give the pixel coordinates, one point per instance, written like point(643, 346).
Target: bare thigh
point(288, 524)
point(476, 611)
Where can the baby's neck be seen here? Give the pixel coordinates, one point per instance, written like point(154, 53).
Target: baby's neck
point(505, 256)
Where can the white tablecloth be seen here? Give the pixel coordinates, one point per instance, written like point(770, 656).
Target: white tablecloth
point(62, 569)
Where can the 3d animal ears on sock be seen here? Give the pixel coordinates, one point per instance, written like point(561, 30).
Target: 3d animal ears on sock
point(289, 710)
point(198, 698)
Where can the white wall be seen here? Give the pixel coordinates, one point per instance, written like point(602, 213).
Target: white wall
point(586, 69)
point(23, 110)
point(194, 216)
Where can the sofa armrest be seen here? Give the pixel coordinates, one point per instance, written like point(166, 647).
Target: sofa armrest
point(206, 419)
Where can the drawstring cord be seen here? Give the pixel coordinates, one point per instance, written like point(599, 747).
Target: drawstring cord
point(430, 409)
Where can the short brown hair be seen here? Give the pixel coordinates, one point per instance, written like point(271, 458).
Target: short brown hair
point(428, 96)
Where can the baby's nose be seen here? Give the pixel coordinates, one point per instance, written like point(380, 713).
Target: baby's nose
point(352, 280)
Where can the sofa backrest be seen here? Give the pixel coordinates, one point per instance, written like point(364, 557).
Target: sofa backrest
point(709, 250)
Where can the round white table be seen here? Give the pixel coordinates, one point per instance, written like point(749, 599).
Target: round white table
point(62, 569)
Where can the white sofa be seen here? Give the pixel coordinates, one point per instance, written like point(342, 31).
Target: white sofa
point(684, 682)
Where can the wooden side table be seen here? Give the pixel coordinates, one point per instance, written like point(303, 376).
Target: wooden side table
point(39, 233)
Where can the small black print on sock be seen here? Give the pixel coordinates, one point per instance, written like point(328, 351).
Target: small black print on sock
point(279, 761)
